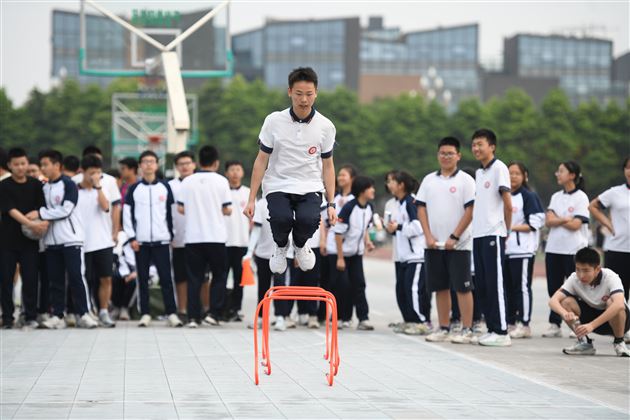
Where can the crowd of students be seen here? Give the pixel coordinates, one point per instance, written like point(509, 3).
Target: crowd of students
point(88, 243)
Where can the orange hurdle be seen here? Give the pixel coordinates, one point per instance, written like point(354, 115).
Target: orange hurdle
point(297, 293)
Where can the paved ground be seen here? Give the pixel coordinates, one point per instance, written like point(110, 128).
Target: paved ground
point(207, 373)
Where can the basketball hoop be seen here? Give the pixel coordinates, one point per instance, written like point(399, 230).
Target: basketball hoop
point(154, 139)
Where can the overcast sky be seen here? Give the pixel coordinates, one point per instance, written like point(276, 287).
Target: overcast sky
point(25, 25)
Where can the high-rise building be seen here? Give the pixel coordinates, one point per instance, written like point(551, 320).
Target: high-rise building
point(583, 66)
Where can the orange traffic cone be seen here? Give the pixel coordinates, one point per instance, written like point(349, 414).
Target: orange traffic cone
point(247, 278)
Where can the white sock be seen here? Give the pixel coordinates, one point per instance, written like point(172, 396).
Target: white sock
point(103, 311)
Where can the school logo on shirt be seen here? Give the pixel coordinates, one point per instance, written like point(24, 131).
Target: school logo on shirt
point(162, 198)
point(57, 199)
point(453, 189)
point(571, 209)
point(487, 184)
point(605, 298)
point(312, 150)
point(514, 209)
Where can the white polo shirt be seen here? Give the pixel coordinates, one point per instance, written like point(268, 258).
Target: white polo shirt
point(296, 149)
point(179, 220)
point(568, 204)
point(617, 200)
point(109, 184)
point(237, 223)
point(96, 222)
point(597, 294)
point(265, 245)
point(203, 195)
point(340, 201)
point(446, 199)
point(490, 183)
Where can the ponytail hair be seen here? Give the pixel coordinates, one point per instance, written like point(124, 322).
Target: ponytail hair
point(574, 168)
point(410, 183)
point(521, 167)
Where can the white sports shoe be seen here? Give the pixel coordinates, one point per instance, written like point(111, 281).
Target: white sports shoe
point(278, 261)
point(438, 336)
point(86, 321)
point(305, 258)
point(210, 320)
point(496, 340)
point(303, 319)
point(553, 331)
point(71, 320)
point(123, 315)
point(279, 325)
point(465, 336)
point(313, 322)
point(626, 337)
point(145, 320)
point(174, 321)
point(105, 320)
point(521, 331)
point(54, 323)
point(622, 350)
point(192, 324)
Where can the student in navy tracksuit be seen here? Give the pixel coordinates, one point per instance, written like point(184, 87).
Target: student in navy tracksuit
point(411, 292)
point(63, 241)
point(528, 217)
point(351, 240)
point(148, 222)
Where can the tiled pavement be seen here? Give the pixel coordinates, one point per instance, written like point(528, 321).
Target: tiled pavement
point(159, 372)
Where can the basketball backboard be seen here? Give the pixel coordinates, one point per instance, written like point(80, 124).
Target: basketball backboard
point(127, 38)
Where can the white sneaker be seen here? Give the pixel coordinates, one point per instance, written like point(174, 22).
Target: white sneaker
point(278, 261)
point(346, 324)
point(465, 336)
point(456, 327)
point(71, 320)
point(192, 324)
point(365, 325)
point(123, 315)
point(289, 323)
point(105, 320)
point(41, 318)
point(145, 320)
point(313, 322)
point(279, 325)
point(479, 328)
point(521, 331)
point(553, 331)
point(210, 320)
point(303, 319)
point(30, 325)
point(419, 328)
point(622, 350)
point(86, 321)
point(173, 321)
point(581, 348)
point(305, 258)
point(496, 340)
point(54, 323)
point(476, 338)
point(438, 336)
point(626, 337)
point(251, 324)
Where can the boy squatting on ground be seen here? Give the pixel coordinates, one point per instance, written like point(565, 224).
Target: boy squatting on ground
point(592, 300)
point(295, 158)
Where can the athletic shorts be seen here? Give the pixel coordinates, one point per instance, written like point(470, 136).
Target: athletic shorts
point(179, 265)
point(588, 314)
point(448, 270)
point(99, 263)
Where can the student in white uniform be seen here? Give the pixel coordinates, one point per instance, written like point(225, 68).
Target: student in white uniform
point(295, 165)
point(331, 277)
point(592, 301)
point(238, 235)
point(205, 201)
point(412, 296)
point(445, 206)
point(528, 217)
point(617, 244)
point(94, 208)
point(567, 218)
point(492, 216)
point(185, 165)
point(148, 223)
point(352, 240)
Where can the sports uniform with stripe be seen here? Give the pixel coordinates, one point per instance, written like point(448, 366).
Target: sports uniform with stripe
point(147, 218)
point(63, 241)
point(520, 250)
point(489, 232)
point(412, 296)
point(617, 246)
point(562, 243)
point(179, 229)
point(354, 221)
point(204, 195)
